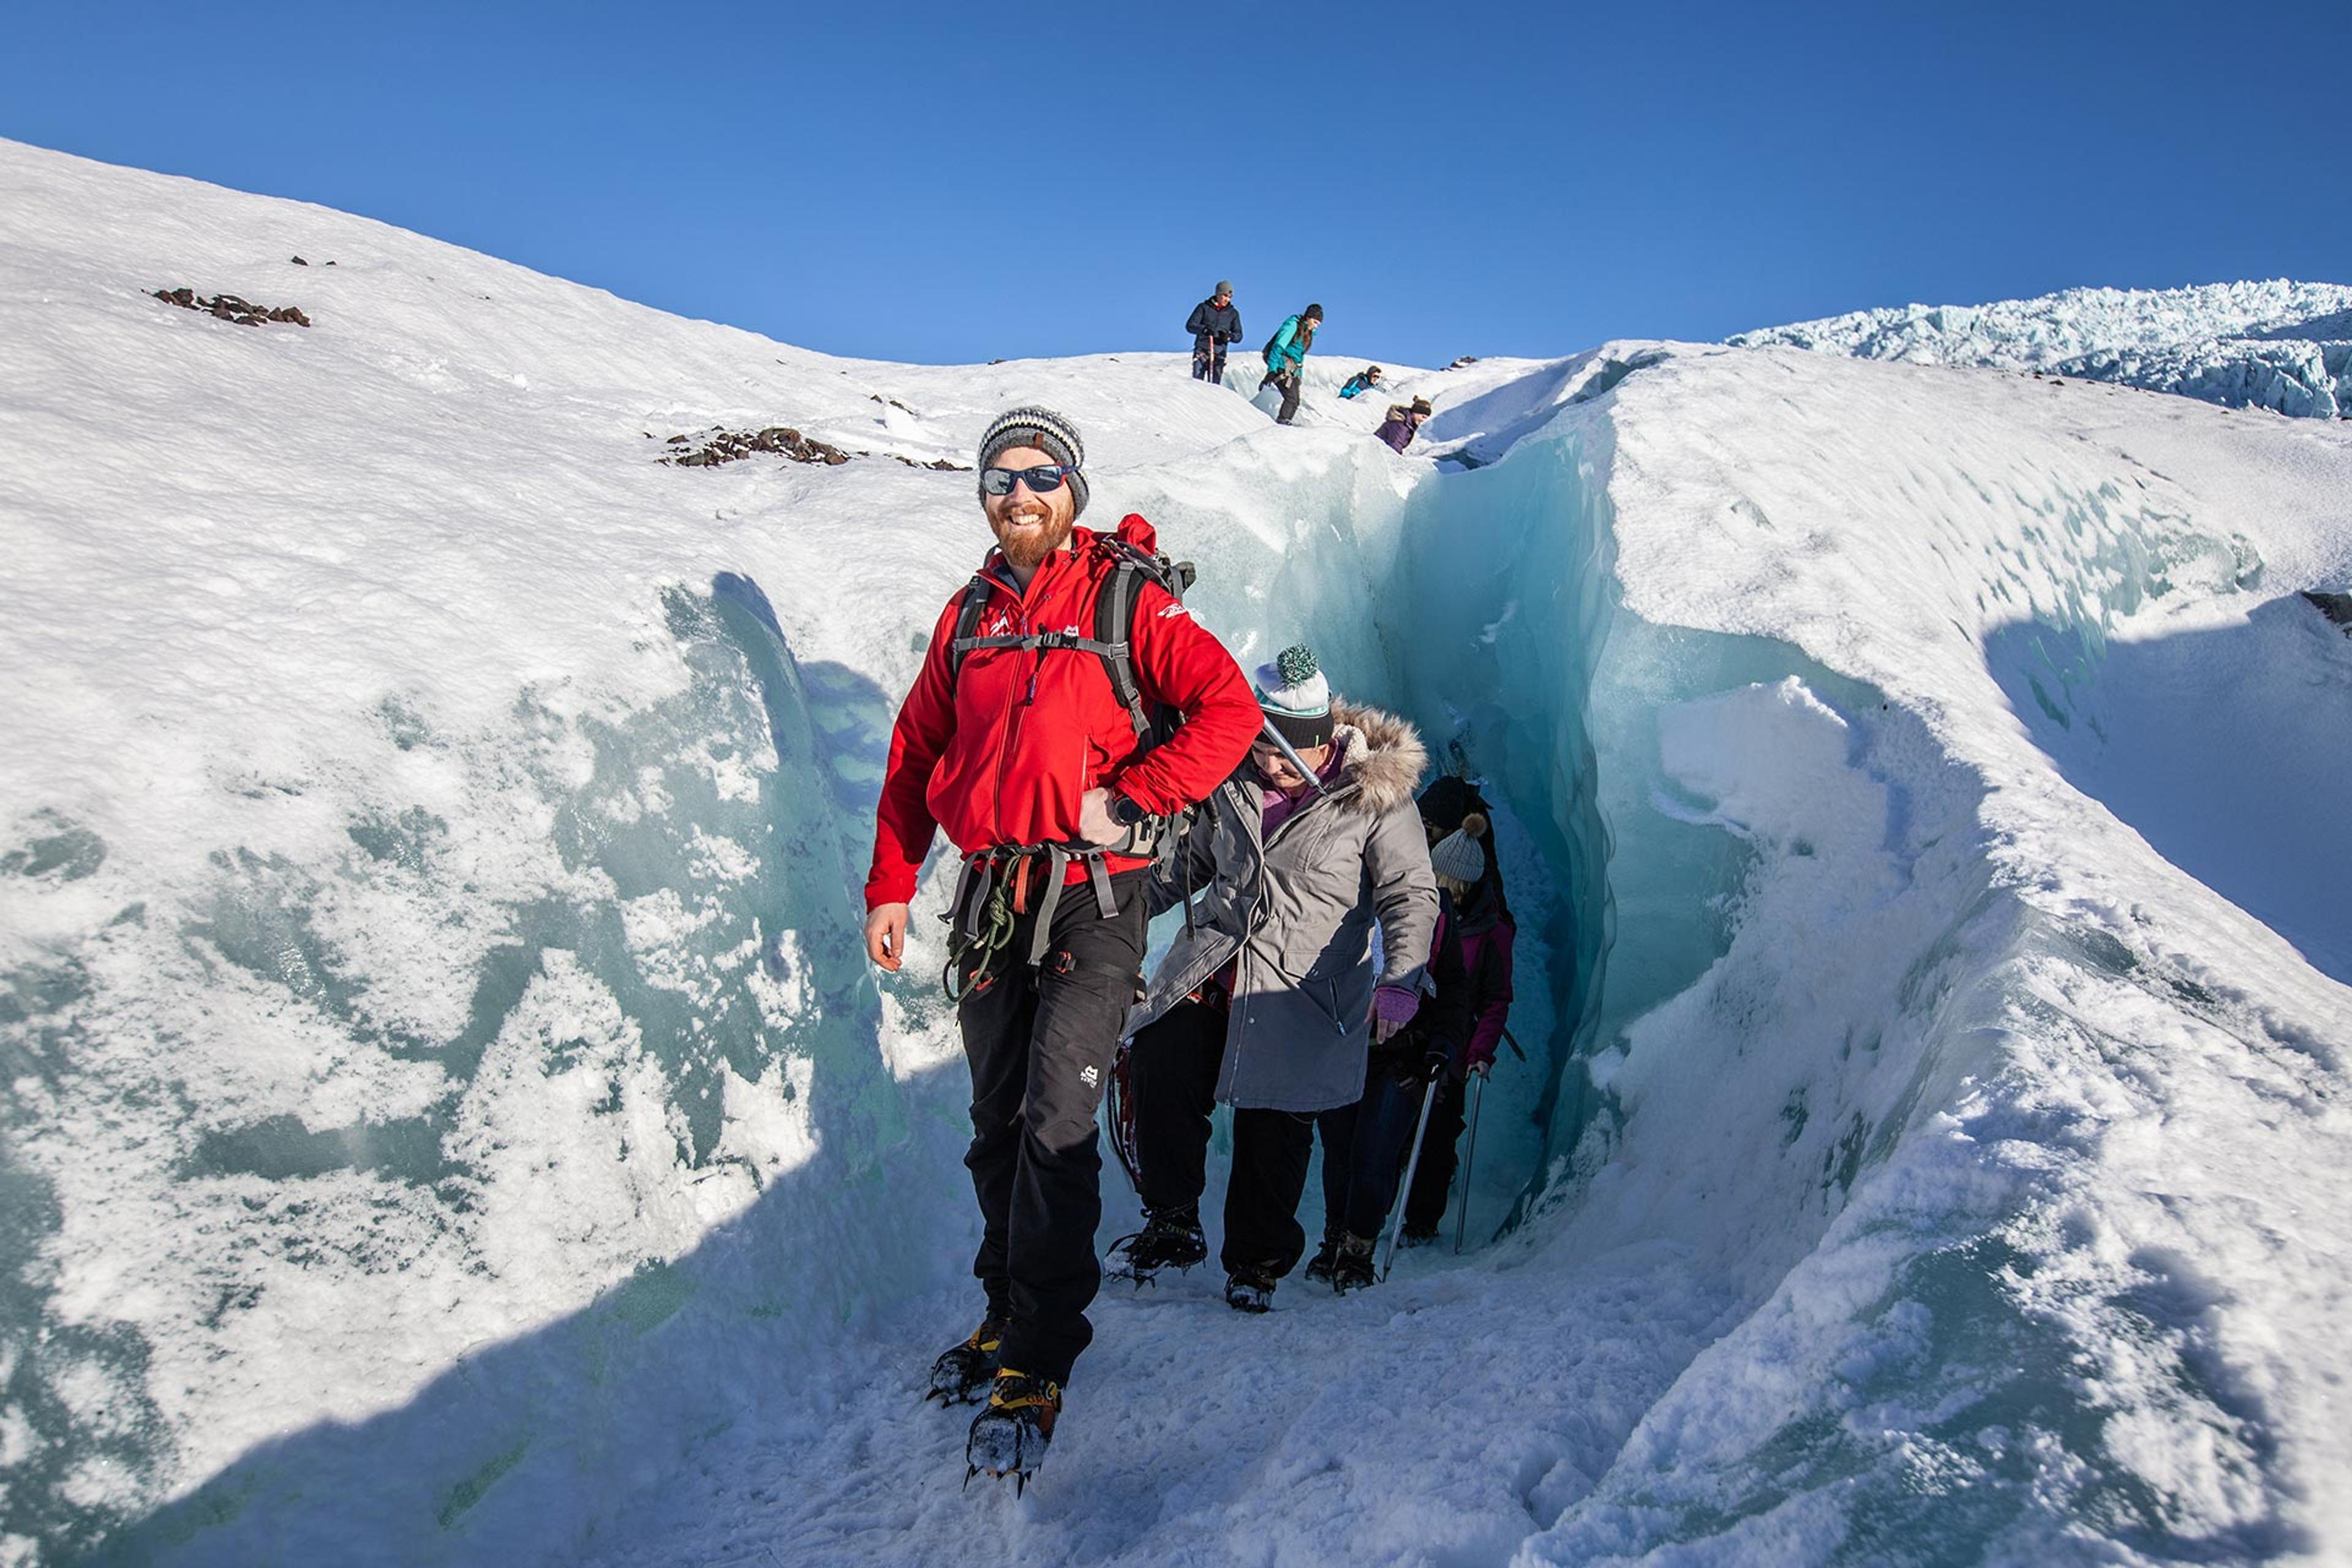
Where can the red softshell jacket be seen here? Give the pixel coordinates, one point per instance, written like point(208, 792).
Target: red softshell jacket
point(1000, 753)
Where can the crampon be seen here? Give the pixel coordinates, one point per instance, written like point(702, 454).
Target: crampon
point(962, 1374)
point(1010, 1436)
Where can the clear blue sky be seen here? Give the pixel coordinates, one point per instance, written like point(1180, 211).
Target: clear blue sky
point(956, 182)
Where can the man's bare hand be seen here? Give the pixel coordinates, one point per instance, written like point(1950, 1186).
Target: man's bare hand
point(1095, 823)
point(885, 935)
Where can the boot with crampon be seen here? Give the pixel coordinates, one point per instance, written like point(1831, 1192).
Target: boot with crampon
point(1171, 1238)
point(1250, 1290)
point(1352, 1269)
point(962, 1374)
point(1010, 1436)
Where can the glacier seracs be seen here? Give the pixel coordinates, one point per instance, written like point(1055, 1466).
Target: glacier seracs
point(2280, 345)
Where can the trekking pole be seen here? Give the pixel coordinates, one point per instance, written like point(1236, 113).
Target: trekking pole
point(1283, 741)
point(1469, 1163)
point(1514, 1045)
point(1396, 1221)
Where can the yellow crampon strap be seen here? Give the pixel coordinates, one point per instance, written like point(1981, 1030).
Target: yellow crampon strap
point(996, 1400)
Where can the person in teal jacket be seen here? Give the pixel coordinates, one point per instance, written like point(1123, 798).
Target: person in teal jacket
point(1363, 381)
point(1285, 357)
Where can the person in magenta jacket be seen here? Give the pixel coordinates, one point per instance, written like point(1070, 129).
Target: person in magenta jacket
point(1483, 934)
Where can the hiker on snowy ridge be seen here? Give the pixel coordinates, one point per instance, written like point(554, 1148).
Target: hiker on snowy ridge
point(1363, 381)
point(1286, 358)
point(1404, 422)
point(1453, 814)
point(1365, 1145)
point(1015, 740)
point(1214, 323)
point(1269, 999)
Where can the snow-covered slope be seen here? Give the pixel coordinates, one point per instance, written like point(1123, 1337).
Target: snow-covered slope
point(448, 1118)
point(2279, 345)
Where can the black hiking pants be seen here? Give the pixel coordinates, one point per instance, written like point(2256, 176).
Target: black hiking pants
point(1365, 1146)
point(1040, 1043)
point(1425, 1206)
point(1172, 1068)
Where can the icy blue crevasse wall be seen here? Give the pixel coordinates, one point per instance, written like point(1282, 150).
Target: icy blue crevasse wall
point(698, 935)
point(1832, 1056)
point(1504, 589)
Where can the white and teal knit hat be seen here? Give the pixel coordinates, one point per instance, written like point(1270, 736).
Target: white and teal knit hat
point(1294, 696)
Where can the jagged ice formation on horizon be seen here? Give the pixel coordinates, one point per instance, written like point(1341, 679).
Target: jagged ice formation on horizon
point(2279, 345)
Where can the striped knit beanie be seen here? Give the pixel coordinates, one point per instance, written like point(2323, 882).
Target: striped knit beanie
point(1047, 431)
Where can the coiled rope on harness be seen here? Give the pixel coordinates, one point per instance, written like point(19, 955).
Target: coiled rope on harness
point(995, 890)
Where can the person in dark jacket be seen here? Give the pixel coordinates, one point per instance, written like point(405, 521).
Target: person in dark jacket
point(1363, 381)
point(1214, 323)
point(1403, 422)
point(1286, 358)
point(1365, 1145)
point(1045, 806)
point(1482, 934)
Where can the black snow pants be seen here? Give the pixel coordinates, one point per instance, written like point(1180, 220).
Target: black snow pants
point(1172, 1066)
point(1425, 1206)
point(1040, 1043)
point(1365, 1147)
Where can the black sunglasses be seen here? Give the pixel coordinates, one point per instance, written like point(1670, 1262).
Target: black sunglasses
point(1042, 480)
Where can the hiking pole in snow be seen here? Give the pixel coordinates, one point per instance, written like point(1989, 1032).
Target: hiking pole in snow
point(1469, 1163)
point(1396, 1221)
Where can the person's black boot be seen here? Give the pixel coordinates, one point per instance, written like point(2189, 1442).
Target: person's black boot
point(1171, 1238)
point(1319, 1266)
point(1250, 1292)
point(1352, 1271)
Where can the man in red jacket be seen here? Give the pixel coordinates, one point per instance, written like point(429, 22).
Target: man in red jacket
point(1014, 741)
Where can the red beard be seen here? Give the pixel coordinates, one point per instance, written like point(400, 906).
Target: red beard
point(1024, 547)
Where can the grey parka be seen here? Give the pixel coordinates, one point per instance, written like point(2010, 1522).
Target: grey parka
point(1300, 911)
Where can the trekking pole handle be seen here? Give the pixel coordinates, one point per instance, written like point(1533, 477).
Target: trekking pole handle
point(1283, 741)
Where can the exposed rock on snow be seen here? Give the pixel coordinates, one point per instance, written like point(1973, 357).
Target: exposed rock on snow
point(732, 446)
point(229, 308)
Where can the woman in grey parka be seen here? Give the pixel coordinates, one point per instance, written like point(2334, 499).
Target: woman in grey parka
point(1270, 998)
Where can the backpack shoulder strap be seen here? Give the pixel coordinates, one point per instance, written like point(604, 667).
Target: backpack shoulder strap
point(1114, 631)
point(968, 614)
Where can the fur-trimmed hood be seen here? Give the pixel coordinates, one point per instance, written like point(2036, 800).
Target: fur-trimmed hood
point(1380, 754)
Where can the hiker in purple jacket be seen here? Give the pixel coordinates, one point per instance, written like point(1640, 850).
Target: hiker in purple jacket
point(1403, 422)
point(1483, 934)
